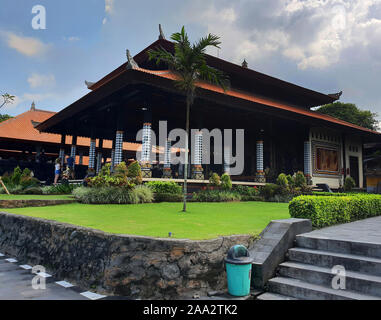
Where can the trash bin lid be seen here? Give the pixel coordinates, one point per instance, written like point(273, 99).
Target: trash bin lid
point(238, 254)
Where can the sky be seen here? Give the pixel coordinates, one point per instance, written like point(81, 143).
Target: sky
point(324, 45)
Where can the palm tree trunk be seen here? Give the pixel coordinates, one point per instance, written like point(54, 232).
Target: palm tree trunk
point(186, 156)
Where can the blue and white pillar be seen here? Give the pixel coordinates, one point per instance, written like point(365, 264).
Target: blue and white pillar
point(118, 147)
point(92, 154)
point(167, 172)
point(307, 161)
point(197, 161)
point(146, 151)
point(260, 173)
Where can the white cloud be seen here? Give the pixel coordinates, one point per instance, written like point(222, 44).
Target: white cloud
point(41, 80)
point(104, 20)
point(311, 33)
point(27, 46)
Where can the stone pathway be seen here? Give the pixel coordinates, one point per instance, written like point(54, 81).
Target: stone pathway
point(367, 231)
point(16, 284)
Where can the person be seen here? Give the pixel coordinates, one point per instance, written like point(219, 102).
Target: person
point(70, 166)
point(57, 170)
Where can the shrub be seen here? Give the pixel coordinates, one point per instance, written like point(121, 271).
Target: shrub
point(215, 196)
point(246, 190)
point(135, 172)
point(282, 181)
point(349, 183)
point(290, 180)
point(33, 190)
point(269, 190)
point(16, 176)
point(300, 180)
point(164, 187)
point(144, 194)
point(168, 197)
point(327, 210)
point(109, 181)
point(113, 195)
point(62, 188)
point(105, 170)
point(120, 170)
point(226, 182)
point(214, 179)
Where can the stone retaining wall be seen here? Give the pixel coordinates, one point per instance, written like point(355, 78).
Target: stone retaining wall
point(21, 203)
point(134, 266)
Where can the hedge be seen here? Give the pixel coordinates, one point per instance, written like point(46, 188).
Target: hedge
point(168, 197)
point(327, 210)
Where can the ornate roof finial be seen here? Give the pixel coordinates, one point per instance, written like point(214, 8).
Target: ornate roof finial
point(244, 63)
point(89, 84)
point(131, 62)
point(161, 33)
point(336, 96)
point(33, 106)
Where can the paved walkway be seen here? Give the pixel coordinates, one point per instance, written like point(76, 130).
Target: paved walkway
point(365, 231)
point(16, 284)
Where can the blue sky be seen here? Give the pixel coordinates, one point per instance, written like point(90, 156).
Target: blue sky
point(325, 45)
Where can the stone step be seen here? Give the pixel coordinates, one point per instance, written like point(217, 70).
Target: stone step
point(361, 248)
point(303, 290)
point(354, 281)
point(328, 259)
point(274, 296)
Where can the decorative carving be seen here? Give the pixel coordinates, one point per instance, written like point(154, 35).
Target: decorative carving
point(131, 62)
point(336, 95)
point(89, 84)
point(161, 33)
point(244, 64)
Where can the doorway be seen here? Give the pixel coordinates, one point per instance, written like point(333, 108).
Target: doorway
point(354, 169)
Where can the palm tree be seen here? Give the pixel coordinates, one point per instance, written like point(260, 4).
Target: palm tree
point(7, 98)
point(189, 62)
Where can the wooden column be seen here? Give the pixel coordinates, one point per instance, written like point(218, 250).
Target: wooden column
point(73, 150)
point(61, 154)
point(99, 155)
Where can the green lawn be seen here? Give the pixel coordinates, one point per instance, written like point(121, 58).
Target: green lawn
point(34, 196)
point(202, 221)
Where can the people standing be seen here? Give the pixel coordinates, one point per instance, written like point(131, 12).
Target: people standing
point(57, 170)
point(70, 165)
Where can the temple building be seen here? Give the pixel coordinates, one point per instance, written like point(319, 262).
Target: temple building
point(281, 132)
point(21, 144)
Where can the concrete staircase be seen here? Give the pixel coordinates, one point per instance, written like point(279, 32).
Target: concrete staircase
point(307, 274)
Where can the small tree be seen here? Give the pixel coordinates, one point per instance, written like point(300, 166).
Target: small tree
point(7, 98)
point(214, 180)
point(300, 179)
point(135, 173)
point(349, 184)
point(226, 182)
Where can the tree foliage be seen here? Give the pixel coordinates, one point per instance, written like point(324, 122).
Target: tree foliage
point(189, 62)
point(4, 117)
point(351, 113)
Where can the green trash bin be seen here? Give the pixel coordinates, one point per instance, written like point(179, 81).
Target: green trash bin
point(238, 270)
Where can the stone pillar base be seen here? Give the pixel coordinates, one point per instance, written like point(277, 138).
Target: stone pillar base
point(167, 173)
point(198, 172)
point(260, 177)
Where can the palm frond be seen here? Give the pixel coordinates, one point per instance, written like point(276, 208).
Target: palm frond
point(213, 76)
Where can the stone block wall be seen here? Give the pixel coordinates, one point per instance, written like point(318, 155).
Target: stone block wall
point(134, 266)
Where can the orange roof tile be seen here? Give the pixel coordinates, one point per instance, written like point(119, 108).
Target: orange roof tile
point(21, 128)
point(168, 74)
